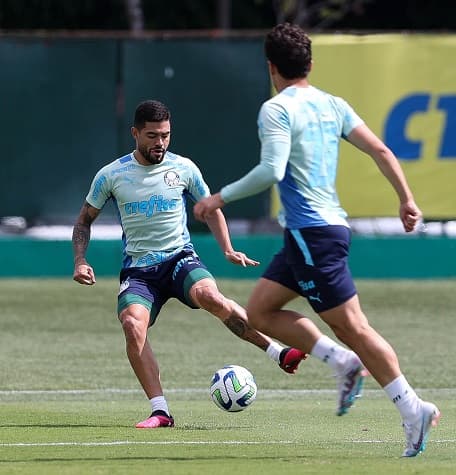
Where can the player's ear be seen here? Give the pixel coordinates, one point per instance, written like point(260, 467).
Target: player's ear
point(134, 132)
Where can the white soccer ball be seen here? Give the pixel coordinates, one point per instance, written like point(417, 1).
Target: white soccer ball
point(233, 388)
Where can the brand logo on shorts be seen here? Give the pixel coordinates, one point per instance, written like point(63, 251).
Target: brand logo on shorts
point(316, 297)
point(171, 178)
point(124, 285)
point(306, 285)
point(180, 264)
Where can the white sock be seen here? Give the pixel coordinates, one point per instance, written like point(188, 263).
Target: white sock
point(404, 397)
point(158, 403)
point(273, 351)
point(330, 352)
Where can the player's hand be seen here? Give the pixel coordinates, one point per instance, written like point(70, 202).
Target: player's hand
point(84, 274)
point(239, 258)
point(204, 208)
point(410, 215)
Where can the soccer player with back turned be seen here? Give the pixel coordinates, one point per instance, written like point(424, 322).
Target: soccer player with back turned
point(300, 129)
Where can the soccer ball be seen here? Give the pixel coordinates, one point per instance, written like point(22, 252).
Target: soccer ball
point(233, 388)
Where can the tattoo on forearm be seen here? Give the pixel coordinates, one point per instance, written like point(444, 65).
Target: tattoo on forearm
point(81, 235)
point(81, 238)
point(81, 232)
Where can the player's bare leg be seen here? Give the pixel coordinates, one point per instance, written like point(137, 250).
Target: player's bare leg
point(135, 321)
point(266, 312)
point(418, 417)
point(206, 295)
point(350, 325)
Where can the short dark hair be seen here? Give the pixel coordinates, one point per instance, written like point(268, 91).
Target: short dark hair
point(289, 49)
point(150, 111)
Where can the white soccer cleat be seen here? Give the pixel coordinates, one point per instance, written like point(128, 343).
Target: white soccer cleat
point(417, 433)
point(350, 385)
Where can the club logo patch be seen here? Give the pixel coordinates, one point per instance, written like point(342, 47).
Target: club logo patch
point(171, 178)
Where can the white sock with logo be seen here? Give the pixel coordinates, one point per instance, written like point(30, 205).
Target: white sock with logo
point(330, 352)
point(274, 350)
point(403, 397)
point(158, 403)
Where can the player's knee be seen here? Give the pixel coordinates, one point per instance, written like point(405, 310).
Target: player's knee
point(133, 326)
point(256, 318)
point(211, 300)
point(351, 329)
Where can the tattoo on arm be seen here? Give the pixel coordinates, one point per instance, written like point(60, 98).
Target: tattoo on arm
point(81, 231)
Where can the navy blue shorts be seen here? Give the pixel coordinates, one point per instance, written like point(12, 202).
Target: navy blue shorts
point(314, 264)
point(152, 286)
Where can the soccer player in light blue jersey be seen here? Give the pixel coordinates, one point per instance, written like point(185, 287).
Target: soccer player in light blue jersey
point(149, 188)
point(300, 129)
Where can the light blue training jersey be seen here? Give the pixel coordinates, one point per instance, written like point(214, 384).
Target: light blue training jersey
point(300, 131)
point(151, 204)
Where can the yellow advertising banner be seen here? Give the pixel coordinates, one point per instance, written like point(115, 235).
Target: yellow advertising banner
point(404, 87)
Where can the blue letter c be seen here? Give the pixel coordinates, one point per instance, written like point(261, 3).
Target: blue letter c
point(396, 124)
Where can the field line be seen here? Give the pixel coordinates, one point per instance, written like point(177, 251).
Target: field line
point(145, 442)
point(198, 391)
point(200, 442)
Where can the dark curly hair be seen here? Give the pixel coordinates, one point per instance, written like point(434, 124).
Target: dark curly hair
point(150, 111)
point(289, 49)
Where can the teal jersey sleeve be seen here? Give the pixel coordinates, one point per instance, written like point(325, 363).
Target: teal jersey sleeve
point(350, 119)
point(100, 189)
point(197, 187)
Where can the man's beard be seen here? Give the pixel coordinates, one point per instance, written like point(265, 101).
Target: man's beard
point(154, 156)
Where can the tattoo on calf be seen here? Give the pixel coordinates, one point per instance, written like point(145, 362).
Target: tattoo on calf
point(237, 325)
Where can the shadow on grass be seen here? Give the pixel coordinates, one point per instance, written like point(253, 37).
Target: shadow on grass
point(183, 428)
point(63, 426)
point(156, 458)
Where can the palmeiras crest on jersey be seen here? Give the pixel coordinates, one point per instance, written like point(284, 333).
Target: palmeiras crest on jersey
point(171, 178)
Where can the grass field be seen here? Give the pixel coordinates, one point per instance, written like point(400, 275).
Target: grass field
point(69, 400)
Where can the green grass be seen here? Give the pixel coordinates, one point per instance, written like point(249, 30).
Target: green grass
point(69, 400)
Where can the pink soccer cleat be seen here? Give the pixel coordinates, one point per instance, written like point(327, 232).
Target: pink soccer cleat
point(154, 421)
point(290, 358)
